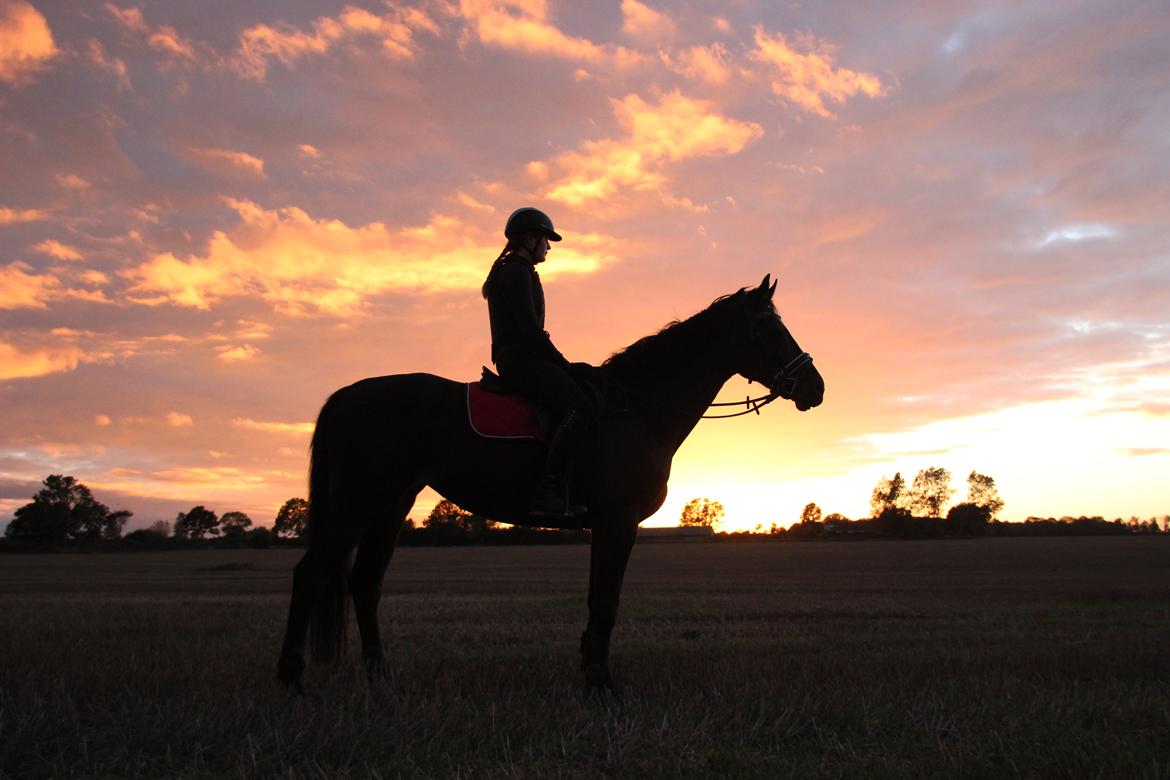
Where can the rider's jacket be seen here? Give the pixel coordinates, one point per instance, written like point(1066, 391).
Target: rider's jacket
point(516, 310)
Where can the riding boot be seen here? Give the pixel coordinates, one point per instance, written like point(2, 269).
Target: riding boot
point(551, 496)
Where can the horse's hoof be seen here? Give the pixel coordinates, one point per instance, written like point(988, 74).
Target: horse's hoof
point(376, 669)
point(289, 672)
point(597, 676)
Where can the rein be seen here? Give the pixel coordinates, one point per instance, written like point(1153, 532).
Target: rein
point(785, 378)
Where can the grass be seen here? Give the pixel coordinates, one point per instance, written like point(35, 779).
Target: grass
point(985, 658)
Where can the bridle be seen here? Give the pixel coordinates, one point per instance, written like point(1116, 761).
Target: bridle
point(784, 379)
point(782, 384)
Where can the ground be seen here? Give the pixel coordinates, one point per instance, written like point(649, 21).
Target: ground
point(977, 658)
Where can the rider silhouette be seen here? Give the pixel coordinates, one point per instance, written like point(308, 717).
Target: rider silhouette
point(525, 356)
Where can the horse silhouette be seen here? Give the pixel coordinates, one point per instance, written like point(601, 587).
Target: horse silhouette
point(380, 441)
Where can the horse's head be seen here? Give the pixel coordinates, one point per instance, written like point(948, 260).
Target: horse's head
point(771, 356)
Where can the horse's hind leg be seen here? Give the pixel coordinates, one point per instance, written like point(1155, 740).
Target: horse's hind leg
point(310, 579)
point(365, 579)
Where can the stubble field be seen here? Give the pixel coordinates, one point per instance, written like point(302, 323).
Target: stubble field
point(982, 658)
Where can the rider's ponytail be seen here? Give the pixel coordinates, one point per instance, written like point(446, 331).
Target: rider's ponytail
point(507, 250)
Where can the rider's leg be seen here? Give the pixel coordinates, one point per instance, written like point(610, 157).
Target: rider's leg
point(552, 387)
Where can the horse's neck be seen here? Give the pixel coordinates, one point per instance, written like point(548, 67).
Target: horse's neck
point(674, 399)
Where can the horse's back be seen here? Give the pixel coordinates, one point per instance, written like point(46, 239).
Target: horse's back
point(394, 404)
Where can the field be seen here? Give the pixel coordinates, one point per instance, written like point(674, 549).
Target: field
point(982, 658)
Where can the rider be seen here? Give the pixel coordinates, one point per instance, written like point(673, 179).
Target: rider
point(524, 353)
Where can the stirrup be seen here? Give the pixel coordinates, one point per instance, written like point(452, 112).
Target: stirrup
point(547, 501)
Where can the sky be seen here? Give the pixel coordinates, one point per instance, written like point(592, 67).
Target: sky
point(213, 214)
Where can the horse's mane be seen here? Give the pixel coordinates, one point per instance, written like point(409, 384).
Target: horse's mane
point(671, 344)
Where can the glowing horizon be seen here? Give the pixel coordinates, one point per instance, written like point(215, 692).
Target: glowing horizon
point(209, 223)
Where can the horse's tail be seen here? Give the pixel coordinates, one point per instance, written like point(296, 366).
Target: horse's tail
point(327, 620)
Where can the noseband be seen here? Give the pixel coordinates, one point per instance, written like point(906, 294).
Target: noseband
point(782, 384)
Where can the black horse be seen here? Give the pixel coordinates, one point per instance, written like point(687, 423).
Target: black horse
point(379, 441)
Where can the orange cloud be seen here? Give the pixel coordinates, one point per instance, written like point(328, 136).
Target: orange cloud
point(20, 289)
point(305, 266)
point(241, 161)
point(26, 43)
point(676, 128)
point(524, 25)
point(808, 79)
point(701, 63)
point(179, 420)
point(263, 43)
point(237, 354)
point(273, 427)
point(12, 216)
point(54, 248)
point(643, 23)
point(18, 363)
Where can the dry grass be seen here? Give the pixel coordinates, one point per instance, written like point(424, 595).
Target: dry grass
point(993, 658)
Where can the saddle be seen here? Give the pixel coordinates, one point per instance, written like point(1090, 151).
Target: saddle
point(495, 411)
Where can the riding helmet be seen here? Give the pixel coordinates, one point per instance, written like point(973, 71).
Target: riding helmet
point(530, 220)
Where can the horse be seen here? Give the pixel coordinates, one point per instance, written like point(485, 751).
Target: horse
point(379, 441)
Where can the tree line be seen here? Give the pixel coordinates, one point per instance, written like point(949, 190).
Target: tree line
point(64, 513)
point(917, 511)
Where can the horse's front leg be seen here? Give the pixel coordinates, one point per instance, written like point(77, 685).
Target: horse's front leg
point(611, 545)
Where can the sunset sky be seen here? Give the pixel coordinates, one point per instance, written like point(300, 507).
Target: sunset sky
point(213, 214)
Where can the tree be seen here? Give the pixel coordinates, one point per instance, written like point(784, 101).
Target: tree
point(447, 514)
point(235, 524)
point(887, 494)
point(810, 514)
point(981, 492)
point(64, 510)
point(196, 524)
point(161, 528)
point(930, 492)
point(968, 519)
point(292, 519)
point(702, 512)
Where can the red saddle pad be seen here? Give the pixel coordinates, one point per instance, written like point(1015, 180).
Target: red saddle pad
point(501, 416)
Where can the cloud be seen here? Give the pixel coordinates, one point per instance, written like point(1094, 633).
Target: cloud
point(305, 266)
point(97, 55)
point(676, 128)
point(701, 63)
point(643, 23)
point(261, 44)
point(179, 420)
point(54, 248)
point(524, 26)
point(26, 42)
point(12, 216)
point(20, 289)
point(239, 161)
point(237, 354)
point(163, 38)
point(273, 427)
point(808, 79)
point(18, 363)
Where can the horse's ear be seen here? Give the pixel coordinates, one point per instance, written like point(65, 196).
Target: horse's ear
point(772, 289)
point(764, 284)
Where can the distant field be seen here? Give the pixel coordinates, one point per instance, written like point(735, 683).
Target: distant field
point(984, 658)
